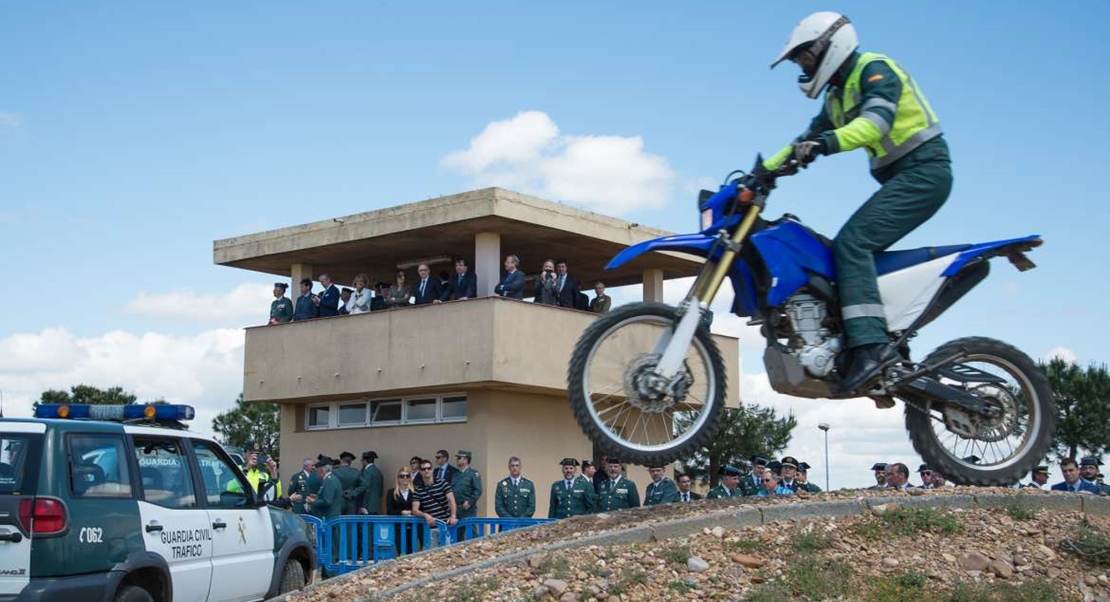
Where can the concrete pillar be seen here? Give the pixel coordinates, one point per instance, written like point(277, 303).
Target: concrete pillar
point(487, 261)
point(653, 285)
point(298, 272)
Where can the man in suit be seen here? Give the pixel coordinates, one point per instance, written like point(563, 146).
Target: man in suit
point(306, 307)
point(515, 496)
point(368, 492)
point(660, 490)
point(684, 484)
point(427, 289)
point(327, 304)
point(566, 286)
point(443, 470)
point(512, 283)
point(464, 285)
point(1071, 481)
point(601, 303)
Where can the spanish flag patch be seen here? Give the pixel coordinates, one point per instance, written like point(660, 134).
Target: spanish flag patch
point(875, 78)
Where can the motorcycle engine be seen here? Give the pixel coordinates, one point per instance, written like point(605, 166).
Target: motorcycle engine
point(812, 343)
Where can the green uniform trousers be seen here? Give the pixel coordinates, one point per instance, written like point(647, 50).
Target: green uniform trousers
point(913, 189)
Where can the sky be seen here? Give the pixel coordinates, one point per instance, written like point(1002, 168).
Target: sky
point(134, 134)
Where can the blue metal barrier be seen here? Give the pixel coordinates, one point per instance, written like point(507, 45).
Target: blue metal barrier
point(320, 539)
point(476, 527)
point(352, 542)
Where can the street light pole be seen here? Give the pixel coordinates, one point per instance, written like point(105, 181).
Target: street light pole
point(825, 427)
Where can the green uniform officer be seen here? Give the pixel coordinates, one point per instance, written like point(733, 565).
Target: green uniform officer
point(329, 502)
point(298, 484)
point(802, 479)
point(660, 490)
point(281, 308)
point(368, 492)
point(348, 481)
point(728, 487)
point(750, 483)
point(573, 495)
point(870, 103)
point(466, 485)
point(515, 496)
point(617, 492)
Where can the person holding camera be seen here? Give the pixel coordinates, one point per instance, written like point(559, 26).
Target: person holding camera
point(260, 469)
point(547, 282)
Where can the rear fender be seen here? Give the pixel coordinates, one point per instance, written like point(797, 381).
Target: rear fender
point(1014, 248)
point(690, 244)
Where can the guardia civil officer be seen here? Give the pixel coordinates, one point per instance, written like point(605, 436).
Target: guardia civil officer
point(572, 495)
point(660, 490)
point(281, 308)
point(871, 103)
point(467, 487)
point(329, 502)
point(879, 468)
point(1088, 471)
point(618, 491)
point(368, 492)
point(751, 482)
point(802, 479)
point(348, 480)
point(515, 496)
point(728, 487)
point(298, 485)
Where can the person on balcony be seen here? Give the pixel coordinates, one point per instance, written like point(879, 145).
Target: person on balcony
point(399, 293)
point(512, 283)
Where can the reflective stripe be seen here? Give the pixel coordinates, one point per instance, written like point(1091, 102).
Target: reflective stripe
point(920, 101)
point(883, 125)
point(863, 310)
point(882, 103)
point(911, 143)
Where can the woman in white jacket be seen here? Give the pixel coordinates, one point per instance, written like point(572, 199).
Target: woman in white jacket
point(359, 302)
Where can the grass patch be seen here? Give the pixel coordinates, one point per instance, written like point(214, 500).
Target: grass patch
point(1087, 542)
point(558, 568)
point(1030, 591)
point(772, 592)
point(871, 530)
point(627, 582)
point(815, 579)
point(474, 591)
point(903, 587)
point(1016, 512)
point(679, 587)
point(747, 546)
point(909, 521)
point(811, 542)
point(676, 555)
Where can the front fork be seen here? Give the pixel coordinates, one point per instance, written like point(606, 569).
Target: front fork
point(705, 288)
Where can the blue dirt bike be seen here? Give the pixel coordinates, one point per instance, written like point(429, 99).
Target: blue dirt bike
point(646, 380)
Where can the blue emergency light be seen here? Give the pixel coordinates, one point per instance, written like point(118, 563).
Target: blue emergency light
point(115, 412)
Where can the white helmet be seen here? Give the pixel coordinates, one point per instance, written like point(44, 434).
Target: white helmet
point(830, 39)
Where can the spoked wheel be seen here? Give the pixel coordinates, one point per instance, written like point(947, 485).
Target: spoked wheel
point(973, 450)
point(621, 404)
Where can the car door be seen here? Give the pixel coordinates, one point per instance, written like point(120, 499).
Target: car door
point(174, 523)
point(242, 536)
point(20, 451)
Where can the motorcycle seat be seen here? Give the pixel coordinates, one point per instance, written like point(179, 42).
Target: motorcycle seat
point(892, 261)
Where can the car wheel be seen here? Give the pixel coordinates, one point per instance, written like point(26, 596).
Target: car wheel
point(133, 593)
point(292, 577)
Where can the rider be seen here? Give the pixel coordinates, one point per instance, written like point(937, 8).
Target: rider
point(870, 102)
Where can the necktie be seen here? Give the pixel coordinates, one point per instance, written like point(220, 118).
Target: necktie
point(560, 289)
point(422, 283)
point(686, 497)
point(567, 483)
point(443, 470)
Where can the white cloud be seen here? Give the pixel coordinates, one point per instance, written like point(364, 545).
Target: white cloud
point(1063, 353)
point(204, 370)
point(246, 302)
point(9, 120)
point(528, 153)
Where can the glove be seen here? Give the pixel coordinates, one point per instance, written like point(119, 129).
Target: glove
point(806, 151)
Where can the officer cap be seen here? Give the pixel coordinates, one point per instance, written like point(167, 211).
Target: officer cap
point(281, 285)
point(346, 455)
point(323, 461)
point(655, 465)
point(250, 447)
point(878, 466)
point(612, 460)
point(803, 466)
point(568, 462)
point(923, 468)
point(347, 290)
point(369, 455)
point(462, 453)
point(1090, 461)
point(586, 464)
point(759, 461)
point(1040, 470)
point(335, 461)
point(774, 465)
point(789, 461)
point(730, 471)
point(973, 459)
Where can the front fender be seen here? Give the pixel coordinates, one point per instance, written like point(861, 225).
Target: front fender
point(691, 244)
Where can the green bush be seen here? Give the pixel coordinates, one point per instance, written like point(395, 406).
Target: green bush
point(1087, 542)
point(811, 542)
point(909, 521)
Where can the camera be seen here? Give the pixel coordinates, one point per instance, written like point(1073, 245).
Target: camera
point(263, 459)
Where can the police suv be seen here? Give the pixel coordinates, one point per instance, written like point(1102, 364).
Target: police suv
point(120, 503)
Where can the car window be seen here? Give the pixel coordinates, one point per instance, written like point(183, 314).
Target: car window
point(95, 469)
point(222, 487)
point(19, 462)
point(164, 469)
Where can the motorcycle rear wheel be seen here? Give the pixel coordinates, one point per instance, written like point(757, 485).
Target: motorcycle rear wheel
point(608, 368)
point(1007, 448)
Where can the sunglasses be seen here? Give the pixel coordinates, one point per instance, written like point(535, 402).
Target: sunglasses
point(428, 469)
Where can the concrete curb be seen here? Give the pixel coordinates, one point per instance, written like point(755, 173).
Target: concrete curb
point(751, 515)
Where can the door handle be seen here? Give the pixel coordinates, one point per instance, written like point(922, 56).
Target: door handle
point(219, 524)
point(152, 527)
point(15, 537)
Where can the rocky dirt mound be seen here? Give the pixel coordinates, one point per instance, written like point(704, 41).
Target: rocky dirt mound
point(897, 551)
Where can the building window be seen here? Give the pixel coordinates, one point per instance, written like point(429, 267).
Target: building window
point(352, 414)
point(420, 410)
point(318, 417)
point(454, 408)
point(385, 411)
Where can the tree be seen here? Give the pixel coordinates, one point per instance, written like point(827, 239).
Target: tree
point(250, 422)
point(1082, 407)
point(86, 394)
point(744, 432)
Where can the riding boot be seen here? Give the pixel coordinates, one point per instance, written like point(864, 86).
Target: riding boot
point(867, 362)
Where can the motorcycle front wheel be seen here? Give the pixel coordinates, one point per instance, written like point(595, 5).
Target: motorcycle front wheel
point(610, 393)
point(1001, 450)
